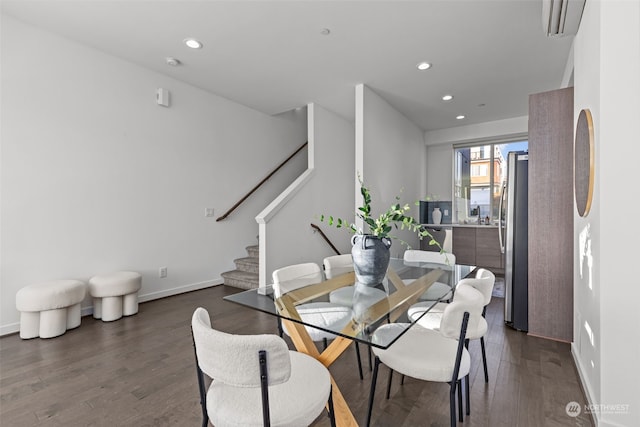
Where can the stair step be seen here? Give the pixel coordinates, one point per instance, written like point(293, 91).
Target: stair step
point(248, 264)
point(240, 279)
point(253, 251)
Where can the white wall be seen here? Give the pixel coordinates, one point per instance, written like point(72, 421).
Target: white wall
point(478, 132)
point(440, 149)
point(607, 81)
point(440, 172)
point(325, 188)
point(96, 177)
point(394, 162)
point(390, 156)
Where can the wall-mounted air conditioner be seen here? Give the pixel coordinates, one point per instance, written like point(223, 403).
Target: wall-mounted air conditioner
point(561, 17)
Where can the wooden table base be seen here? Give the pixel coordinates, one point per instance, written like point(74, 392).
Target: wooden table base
point(401, 300)
point(303, 343)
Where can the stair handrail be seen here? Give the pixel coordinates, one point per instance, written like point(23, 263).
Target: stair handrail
point(253, 190)
point(326, 239)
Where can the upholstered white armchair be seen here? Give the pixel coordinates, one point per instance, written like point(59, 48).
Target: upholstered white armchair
point(483, 281)
point(256, 380)
point(431, 355)
point(437, 289)
point(336, 265)
point(332, 316)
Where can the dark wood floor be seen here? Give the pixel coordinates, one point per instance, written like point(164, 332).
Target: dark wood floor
point(139, 371)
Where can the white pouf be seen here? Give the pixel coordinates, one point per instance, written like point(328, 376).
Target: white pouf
point(115, 294)
point(48, 309)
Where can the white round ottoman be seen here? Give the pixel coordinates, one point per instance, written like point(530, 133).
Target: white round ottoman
point(48, 309)
point(115, 294)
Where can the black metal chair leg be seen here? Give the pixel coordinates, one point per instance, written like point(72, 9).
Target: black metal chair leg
point(370, 364)
point(402, 380)
point(324, 341)
point(484, 360)
point(264, 387)
point(372, 391)
point(467, 392)
point(452, 403)
point(460, 403)
point(332, 414)
point(459, 387)
point(359, 360)
point(389, 383)
point(201, 386)
point(280, 330)
point(203, 398)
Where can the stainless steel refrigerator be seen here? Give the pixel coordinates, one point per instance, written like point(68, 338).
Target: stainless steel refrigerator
point(514, 240)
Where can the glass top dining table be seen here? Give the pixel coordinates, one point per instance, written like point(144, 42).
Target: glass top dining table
point(405, 284)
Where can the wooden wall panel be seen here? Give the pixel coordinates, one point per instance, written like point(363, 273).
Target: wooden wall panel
point(551, 214)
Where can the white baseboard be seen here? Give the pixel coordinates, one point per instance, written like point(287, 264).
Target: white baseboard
point(12, 328)
point(179, 290)
point(586, 386)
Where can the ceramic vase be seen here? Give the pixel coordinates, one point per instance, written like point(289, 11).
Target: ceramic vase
point(371, 257)
point(436, 215)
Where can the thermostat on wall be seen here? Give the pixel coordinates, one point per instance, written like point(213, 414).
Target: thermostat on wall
point(162, 97)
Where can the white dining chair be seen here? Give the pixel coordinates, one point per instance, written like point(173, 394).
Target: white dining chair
point(437, 289)
point(327, 314)
point(255, 380)
point(483, 281)
point(430, 355)
point(336, 265)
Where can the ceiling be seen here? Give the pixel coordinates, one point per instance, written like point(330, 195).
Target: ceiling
point(272, 55)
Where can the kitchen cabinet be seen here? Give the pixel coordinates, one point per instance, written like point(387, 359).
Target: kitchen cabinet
point(464, 245)
point(488, 252)
point(478, 245)
point(551, 210)
point(442, 235)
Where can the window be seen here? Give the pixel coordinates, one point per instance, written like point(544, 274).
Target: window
point(480, 169)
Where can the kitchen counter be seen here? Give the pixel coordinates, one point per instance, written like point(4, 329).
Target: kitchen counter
point(476, 225)
point(460, 225)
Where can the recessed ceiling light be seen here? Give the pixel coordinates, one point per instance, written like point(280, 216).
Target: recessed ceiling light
point(423, 66)
point(172, 61)
point(447, 97)
point(193, 43)
point(460, 117)
point(325, 31)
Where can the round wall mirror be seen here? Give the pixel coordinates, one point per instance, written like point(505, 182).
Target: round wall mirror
point(583, 167)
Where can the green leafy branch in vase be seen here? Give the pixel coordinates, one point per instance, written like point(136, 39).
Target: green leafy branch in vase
point(396, 217)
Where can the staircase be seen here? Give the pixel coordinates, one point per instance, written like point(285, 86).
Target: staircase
point(245, 276)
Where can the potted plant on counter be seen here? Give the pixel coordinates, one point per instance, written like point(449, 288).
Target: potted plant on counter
point(370, 247)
